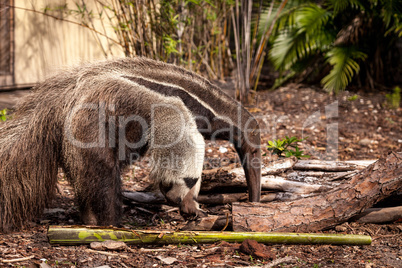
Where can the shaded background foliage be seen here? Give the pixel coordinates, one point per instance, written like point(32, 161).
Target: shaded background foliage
point(331, 42)
point(339, 41)
point(191, 33)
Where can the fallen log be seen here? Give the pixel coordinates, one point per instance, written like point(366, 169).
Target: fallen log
point(222, 198)
point(319, 176)
point(77, 235)
point(305, 176)
point(212, 199)
point(379, 215)
point(362, 163)
point(280, 184)
point(326, 165)
point(374, 183)
point(268, 182)
point(220, 223)
point(144, 197)
point(279, 166)
point(272, 168)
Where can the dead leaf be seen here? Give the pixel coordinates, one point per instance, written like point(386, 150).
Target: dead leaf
point(108, 244)
point(167, 260)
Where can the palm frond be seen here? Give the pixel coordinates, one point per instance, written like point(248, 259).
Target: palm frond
point(392, 10)
point(285, 19)
point(266, 18)
point(288, 47)
point(341, 5)
point(312, 18)
point(344, 67)
point(395, 28)
point(300, 40)
point(338, 5)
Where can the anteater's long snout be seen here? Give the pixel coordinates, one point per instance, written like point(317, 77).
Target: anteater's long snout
point(250, 157)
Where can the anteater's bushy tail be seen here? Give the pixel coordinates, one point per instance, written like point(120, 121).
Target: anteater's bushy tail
point(28, 163)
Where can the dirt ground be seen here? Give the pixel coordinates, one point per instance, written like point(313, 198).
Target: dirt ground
point(339, 127)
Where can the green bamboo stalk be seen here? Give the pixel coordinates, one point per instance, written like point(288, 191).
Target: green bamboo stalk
point(76, 235)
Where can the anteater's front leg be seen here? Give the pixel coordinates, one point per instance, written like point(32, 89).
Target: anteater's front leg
point(177, 149)
point(99, 197)
point(183, 192)
point(96, 179)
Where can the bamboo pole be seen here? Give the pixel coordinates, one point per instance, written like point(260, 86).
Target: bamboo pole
point(76, 235)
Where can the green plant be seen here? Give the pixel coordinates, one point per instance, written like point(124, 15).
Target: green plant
point(353, 98)
point(336, 41)
point(281, 147)
point(390, 120)
point(394, 98)
point(3, 115)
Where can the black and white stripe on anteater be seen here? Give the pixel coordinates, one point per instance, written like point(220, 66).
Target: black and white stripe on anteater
point(93, 120)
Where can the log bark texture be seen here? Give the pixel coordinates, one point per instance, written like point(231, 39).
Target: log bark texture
point(325, 165)
point(372, 184)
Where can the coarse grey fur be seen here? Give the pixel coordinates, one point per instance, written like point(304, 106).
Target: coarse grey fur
point(91, 120)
